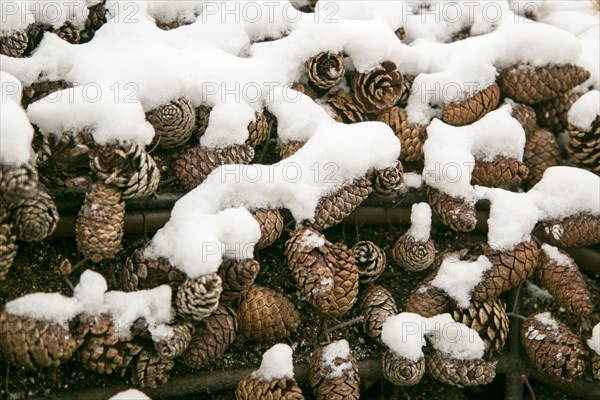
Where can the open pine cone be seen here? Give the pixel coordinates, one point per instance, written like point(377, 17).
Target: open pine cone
point(541, 152)
point(577, 231)
point(525, 115)
point(454, 212)
point(501, 171)
point(68, 32)
point(413, 255)
point(237, 277)
point(173, 123)
point(379, 88)
point(411, 136)
point(14, 44)
point(95, 19)
point(34, 219)
point(402, 371)
point(325, 69)
point(199, 297)
point(288, 149)
point(141, 273)
point(177, 344)
point(258, 130)
point(202, 118)
point(460, 373)
point(584, 146)
point(40, 89)
point(17, 182)
point(148, 370)
point(333, 372)
point(8, 248)
point(271, 226)
point(370, 260)
point(426, 300)
point(376, 304)
point(553, 113)
point(467, 111)
point(344, 108)
point(389, 180)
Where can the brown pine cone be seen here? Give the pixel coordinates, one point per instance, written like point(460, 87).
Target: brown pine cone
point(501, 171)
point(63, 161)
point(173, 123)
point(529, 85)
point(8, 249)
point(402, 371)
point(195, 164)
point(596, 366)
point(212, 337)
point(509, 269)
point(333, 372)
point(413, 255)
point(489, 320)
point(99, 228)
point(149, 370)
point(389, 180)
point(525, 115)
point(559, 274)
point(553, 114)
point(379, 88)
point(467, 111)
point(251, 388)
point(127, 167)
point(17, 182)
point(288, 149)
point(552, 347)
point(325, 273)
point(15, 44)
point(95, 19)
point(460, 373)
point(258, 130)
point(370, 260)
point(325, 70)
point(237, 277)
point(577, 231)
point(541, 152)
point(453, 211)
point(68, 32)
point(271, 226)
point(32, 344)
point(34, 219)
point(426, 300)
point(141, 273)
point(202, 118)
point(584, 146)
point(199, 297)
point(333, 209)
point(304, 89)
point(40, 89)
point(376, 304)
point(344, 108)
point(177, 344)
point(411, 136)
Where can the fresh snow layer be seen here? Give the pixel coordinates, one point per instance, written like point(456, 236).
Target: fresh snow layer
point(420, 219)
point(403, 334)
point(534, 292)
point(17, 15)
point(594, 341)
point(276, 363)
point(336, 350)
point(585, 110)
point(546, 319)
point(555, 255)
point(16, 133)
point(131, 394)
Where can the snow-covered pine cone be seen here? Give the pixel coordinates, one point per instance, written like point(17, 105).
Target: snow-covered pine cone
point(177, 344)
point(256, 388)
point(127, 167)
point(332, 209)
point(195, 164)
point(258, 130)
point(596, 366)
point(528, 84)
point(489, 320)
point(344, 108)
point(525, 115)
point(68, 32)
point(8, 248)
point(148, 369)
point(454, 212)
point(142, 273)
point(542, 151)
point(288, 149)
point(379, 88)
point(426, 300)
point(14, 44)
point(34, 219)
point(559, 274)
point(198, 298)
point(40, 89)
point(173, 123)
point(325, 273)
point(237, 277)
point(501, 171)
point(32, 344)
point(402, 371)
point(17, 182)
point(552, 347)
point(271, 226)
point(580, 230)
point(414, 250)
point(99, 228)
point(370, 260)
point(469, 110)
point(553, 113)
point(95, 19)
point(388, 180)
point(460, 373)
point(584, 146)
point(211, 338)
point(325, 70)
point(333, 372)
point(304, 89)
point(202, 118)
point(411, 136)
point(265, 315)
point(376, 304)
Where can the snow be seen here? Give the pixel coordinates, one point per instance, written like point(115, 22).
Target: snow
point(336, 350)
point(560, 258)
point(546, 319)
point(585, 110)
point(403, 334)
point(412, 180)
point(420, 218)
point(131, 394)
point(311, 240)
point(594, 341)
point(51, 307)
point(16, 133)
point(276, 363)
point(535, 292)
point(16, 16)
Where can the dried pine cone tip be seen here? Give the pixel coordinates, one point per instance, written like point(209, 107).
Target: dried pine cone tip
point(454, 212)
point(414, 250)
point(344, 108)
point(176, 342)
point(8, 249)
point(288, 149)
point(173, 122)
point(17, 182)
point(271, 226)
point(149, 370)
point(576, 231)
point(325, 69)
point(379, 88)
point(584, 144)
point(525, 114)
point(471, 109)
point(389, 180)
point(34, 219)
point(552, 347)
point(265, 315)
point(411, 136)
point(553, 113)
point(237, 277)
point(258, 130)
point(370, 260)
point(333, 372)
point(558, 273)
point(143, 273)
point(542, 151)
point(460, 373)
point(402, 371)
point(197, 298)
point(376, 304)
point(500, 171)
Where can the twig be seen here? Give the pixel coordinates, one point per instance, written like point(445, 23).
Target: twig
point(79, 264)
point(167, 181)
point(6, 380)
point(528, 386)
point(344, 324)
point(69, 283)
point(155, 146)
point(512, 314)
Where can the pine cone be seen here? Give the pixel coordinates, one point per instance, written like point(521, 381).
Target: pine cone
point(489, 320)
point(460, 373)
point(199, 297)
point(32, 344)
point(40, 89)
point(237, 277)
point(529, 85)
point(173, 123)
point(379, 88)
point(306, 90)
point(411, 136)
point(271, 226)
point(501, 171)
point(596, 366)
point(389, 180)
point(202, 118)
point(17, 182)
point(149, 370)
point(334, 208)
point(325, 70)
point(344, 108)
point(553, 114)
point(509, 270)
point(34, 219)
point(288, 149)
point(99, 228)
point(577, 231)
point(251, 388)
point(413, 255)
point(178, 343)
point(211, 338)
point(258, 130)
point(370, 260)
point(63, 161)
point(541, 152)
point(325, 273)
point(333, 374)
point(15, 44)
point(8, 249)
point(525, 115)
point(467, 111)
point(564, 282)
point(552, 347)
point(141, 273)
point(95, 19)
point(69, 33)
point(376, 304)
point(129, 168)
point(426, 300)
point(402, 371)
point(453, 211)
point(584, 146)
point(195, 164)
